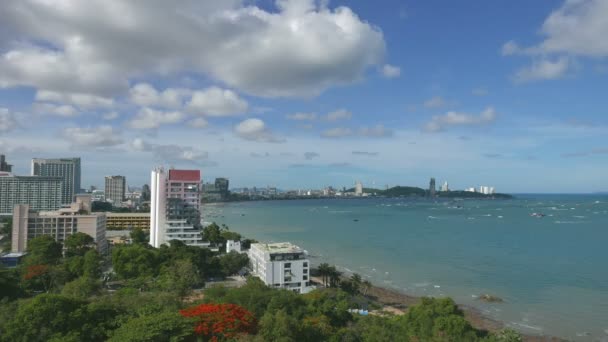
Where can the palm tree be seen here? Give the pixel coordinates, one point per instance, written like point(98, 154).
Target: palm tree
point(356, 281)
point(323, 270)
point(334, 276)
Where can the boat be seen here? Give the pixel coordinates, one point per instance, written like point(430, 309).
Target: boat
point(538, 215)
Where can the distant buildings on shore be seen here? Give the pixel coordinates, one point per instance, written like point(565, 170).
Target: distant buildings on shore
point(486, 190)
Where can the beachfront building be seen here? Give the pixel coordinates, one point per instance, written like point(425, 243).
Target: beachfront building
point(175, 207)
point(40, 193)
point(281, 265)
point(59, 224)
point(66, 168)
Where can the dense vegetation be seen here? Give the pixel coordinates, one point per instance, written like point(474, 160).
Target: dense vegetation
point(138, 293)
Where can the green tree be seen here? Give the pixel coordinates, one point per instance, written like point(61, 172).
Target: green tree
point(366, 285)
point(97, 206)
point(81, 288)
point(233, 262)
point(505, 335)
point(134, 261)
point(180, 277)
point(356, 281)
point(278, 327)
point(324, 270)
point(160, 326)
point(9, 283)
point(138, 236)
point(43, 250)
point(91, 264)
point(78, 244)
point(213, 234)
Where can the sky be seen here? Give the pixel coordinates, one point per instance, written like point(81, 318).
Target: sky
point(307, 94)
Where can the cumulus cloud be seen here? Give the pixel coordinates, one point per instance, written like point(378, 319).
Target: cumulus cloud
point(215, 101)
point(337, 132)
point(148, 118)
point(302, 116)
point(391, 71)
point(434, 102)
point(543, 69)
point(377, 131)
point(255, 130)
point(102, 136)
point(577, 28)
point(340, 114)
point(110, 116)
point(441, 122)
point(173, 153)
point(53, 109)
point(145, 95)
point(365, 153)
point(301, 49)
point(198, 123)
point(311, 155)
point(80, 100)
point(7, 121)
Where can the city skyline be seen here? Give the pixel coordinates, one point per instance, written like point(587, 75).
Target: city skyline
point(390, 94)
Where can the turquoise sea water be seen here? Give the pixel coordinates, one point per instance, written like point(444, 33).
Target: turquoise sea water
point(552, 271)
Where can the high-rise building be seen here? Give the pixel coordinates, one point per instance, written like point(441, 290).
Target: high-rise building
point(432, 187)
point(4, 166)
point(28, 224)
point(115, 189)
point(66, 168)
point(175, 203)
point(445, 187)
point(358, 189)
point(40, 193)
point(221, 184)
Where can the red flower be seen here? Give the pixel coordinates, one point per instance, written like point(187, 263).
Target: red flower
point(221, 321)
point(35, 271)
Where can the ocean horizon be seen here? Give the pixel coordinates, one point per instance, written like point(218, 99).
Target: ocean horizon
point(549, 269)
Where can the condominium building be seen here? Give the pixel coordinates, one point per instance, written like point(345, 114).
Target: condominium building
point(127, 221)
point(59, 224)
point(66, 168)
point(175, 203)
point(40, 193)
point(115, 189)
point(281, 265)
point(4, 166)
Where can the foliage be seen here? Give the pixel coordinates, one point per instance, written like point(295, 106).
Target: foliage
point(82, 288)
point(138, 236)
point(233, 262)
point(43, 250)
point(221, 321)
point(180, 277)
point(78, 244)
point(91, 264)
point(9, 283)
point(97, 206)
point(160, 326)
point(213, 234)
point(134, 261)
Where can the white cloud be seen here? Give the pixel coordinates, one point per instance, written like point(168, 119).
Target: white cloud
point(198, 123)
point(337, 132)
point(215, 101)
point(311, 155)
point(87, 47)
point(577, 28)
point(148, 118)
point(84, 101)
point(7, 121)
point(441, 122)
point(377, 131)
point(110, 116)
point(146, 95)
point(255, 130)
point(340, 114)
point(391, 71)
point(57, 110)
point(365, 153)
point(302, 116)
point(173, 153)
point(102, 136)
point(434, 102)
point(543, 69)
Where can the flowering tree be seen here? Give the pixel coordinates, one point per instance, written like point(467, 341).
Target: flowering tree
point(217, 322)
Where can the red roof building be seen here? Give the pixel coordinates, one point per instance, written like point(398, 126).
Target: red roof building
point(185, 175)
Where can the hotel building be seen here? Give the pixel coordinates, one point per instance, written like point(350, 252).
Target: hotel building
point(281, 265)
point(115, 190)
point(66, 168)
point(40, 193)
point(175, 204)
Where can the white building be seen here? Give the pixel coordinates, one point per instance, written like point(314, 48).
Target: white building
point(470, 190)
point(175, 201)
point(232, 245)
point(281, 265)
point(445, 187)
point(358, 189)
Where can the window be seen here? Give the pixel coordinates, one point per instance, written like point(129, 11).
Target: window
point(287, 265)
point(305, 264)
point(305, 271)
point(304, 277)
point(287, 279)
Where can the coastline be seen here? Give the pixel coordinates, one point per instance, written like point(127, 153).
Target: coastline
point(397, 302)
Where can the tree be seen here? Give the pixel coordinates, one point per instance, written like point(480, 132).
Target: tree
point(366, 285)
point(134, 261)
point(82, 288)
point(78, 244)
point(92, 264)
point(43, 250)
point(334, 276)
point(279, 327)
point(138, 236)
point(323, 270)
point(233, 262)
point(97, 206)
point(221, 321)
point(506, 335)
point(356, 280)
point(159, 326)
point(9, 283)
point(213, 234)
point(180, 277)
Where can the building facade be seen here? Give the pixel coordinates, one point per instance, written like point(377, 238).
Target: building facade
point(59, 224)
point(281, 265)
point(66, 168)
point(40, 193)
point(116, 187)
point(432, 187)
point(127, 221)
point(4, 166)
point(175, 203)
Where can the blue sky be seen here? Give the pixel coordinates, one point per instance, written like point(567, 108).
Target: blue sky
point(298, 93)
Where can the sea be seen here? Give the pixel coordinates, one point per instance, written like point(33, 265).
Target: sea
point(546, 256)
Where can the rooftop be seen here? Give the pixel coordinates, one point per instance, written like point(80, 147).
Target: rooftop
point(279, 247)
point(185, 175)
